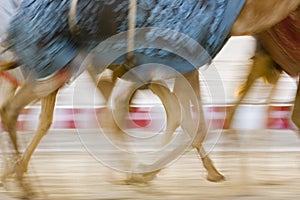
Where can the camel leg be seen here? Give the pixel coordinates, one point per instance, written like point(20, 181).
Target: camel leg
point(272, 92)
point(119, 100)
point(160, 89)
point(263, 66)
point(105, 86)
point(179, 88)
point(12, 108)
point(193, 78)
point(171, 105)
point(173, 112)
point(111, 122)
point(7, 91)
point(296, 110)
point(45, 121)
point(172, 109)
point(245, 89)
point(168, 99)
point(9, 115)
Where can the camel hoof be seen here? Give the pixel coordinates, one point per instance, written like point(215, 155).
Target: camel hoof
point(216, 178)
point(142, 177)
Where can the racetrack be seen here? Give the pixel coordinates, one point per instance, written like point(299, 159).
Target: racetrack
point(262, 164)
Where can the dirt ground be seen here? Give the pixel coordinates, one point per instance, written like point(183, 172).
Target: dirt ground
point(261, 164)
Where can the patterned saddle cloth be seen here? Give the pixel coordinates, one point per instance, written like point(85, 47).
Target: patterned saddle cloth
point(40, 36)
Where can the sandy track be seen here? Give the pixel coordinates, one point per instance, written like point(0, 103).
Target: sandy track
point(257, 165)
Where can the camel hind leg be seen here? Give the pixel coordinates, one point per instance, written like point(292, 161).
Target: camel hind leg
point(9, 115)
point(160, 89)
point(296, 110)
point(173, 112)
point(172, 108)
point(7, 90)
point(263, 66)
point(182, 107)
point(123, 101)
point(193, 78)
point(45, 121)
point(12, 108)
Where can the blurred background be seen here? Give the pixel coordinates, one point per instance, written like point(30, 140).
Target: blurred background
point(258, 164)
point(78, 101)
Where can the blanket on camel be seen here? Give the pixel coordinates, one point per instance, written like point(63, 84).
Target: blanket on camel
point(40, 36)
point(282, 41)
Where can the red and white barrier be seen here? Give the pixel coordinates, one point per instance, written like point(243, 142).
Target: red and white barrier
point(154, 118)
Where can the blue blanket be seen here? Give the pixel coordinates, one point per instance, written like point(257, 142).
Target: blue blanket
point(39, 33)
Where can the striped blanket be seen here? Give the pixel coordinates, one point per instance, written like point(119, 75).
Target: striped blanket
point(39, 34)
point(282, 41)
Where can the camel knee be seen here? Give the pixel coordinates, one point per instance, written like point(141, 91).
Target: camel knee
point(8, 115)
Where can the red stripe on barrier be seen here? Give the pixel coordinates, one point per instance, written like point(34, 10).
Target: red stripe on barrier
point(140, 116)
point(279, 118)
point(149, 118)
